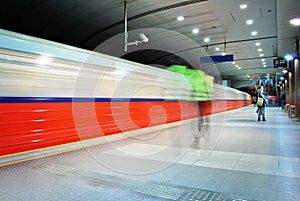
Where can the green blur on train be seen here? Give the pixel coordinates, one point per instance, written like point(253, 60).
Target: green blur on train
point(200, 83)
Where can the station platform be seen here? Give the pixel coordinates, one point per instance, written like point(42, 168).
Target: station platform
point(232, 157)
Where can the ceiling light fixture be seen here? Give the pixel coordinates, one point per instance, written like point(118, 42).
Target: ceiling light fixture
point(239, 68)
point(263, 60)
point(243, 6)
point(257, 44)
point(233, 62)
point(236, 65)
point(217, 49)
point(180, 18)
point(223, 53)
point(195, 31)
point(261, 55)
point(288, 57)
point(264, 66)
point(206, 40)
point(254, 33)
point(284, 71)
point(295, 21)
point(259, 50)
point(249, 22)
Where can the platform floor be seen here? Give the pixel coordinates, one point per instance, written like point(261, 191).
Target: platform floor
point(236, 158)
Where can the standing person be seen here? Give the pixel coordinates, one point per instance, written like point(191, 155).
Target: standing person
point(282, 101)
point(261, 107)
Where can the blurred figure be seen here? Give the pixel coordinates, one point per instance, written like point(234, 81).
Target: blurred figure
point(261, 106)
point(282, 101)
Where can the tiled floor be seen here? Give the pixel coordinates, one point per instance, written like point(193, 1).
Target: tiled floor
point(237, 158)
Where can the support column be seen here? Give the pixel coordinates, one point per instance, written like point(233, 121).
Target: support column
point(290, 88)
point(297, 86)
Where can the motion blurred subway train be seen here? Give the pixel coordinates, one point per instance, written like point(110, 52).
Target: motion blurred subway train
point(55, 95)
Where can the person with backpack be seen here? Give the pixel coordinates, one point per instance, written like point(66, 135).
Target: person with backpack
point(262, 102)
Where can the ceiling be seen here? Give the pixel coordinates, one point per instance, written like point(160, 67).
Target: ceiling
point(90, 24)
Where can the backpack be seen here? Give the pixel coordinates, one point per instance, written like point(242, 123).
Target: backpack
point(260, 102)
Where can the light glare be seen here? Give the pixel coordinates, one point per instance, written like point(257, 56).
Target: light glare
point(249, 22)
point(254, 33)
point(243, 6)
point(288, 57)
point(195, 31)
point(295, 21)
point(180, 18)
point(206, 40)
point(44, 60)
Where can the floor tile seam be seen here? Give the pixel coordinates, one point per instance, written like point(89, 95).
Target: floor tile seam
point(255, 126)
point(254, 172)
point(228, 152)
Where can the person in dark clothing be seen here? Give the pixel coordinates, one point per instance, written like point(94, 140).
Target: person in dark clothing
point(282, 101)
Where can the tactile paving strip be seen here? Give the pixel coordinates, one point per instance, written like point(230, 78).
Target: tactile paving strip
point(165, 191)
point(39, 161)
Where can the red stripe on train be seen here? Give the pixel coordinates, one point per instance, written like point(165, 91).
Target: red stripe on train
point(30, 126)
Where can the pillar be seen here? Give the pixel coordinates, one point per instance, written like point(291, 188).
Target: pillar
point(297, 86)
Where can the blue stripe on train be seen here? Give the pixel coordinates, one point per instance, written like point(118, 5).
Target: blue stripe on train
point(64, 99)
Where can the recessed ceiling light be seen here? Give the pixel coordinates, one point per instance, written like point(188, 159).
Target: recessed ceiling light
point(243, 6)
point(233, 62)
point(236, 65)
point(261, 55)
point(295, 21)
point(206, 40)
point(223, 53)
point(257, 44)
point(265, 66)
point(263, 60)
point(217, 49)
point(254, 33)
point(288, 57)
point(195, 31)
point(180, 18)
point(259, 50)
point(264, 63)
point(249, 22)
point(239, 68)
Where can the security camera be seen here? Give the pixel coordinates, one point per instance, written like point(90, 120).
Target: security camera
point(144, 38)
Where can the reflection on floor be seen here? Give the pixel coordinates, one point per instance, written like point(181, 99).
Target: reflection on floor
point(232, 157)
